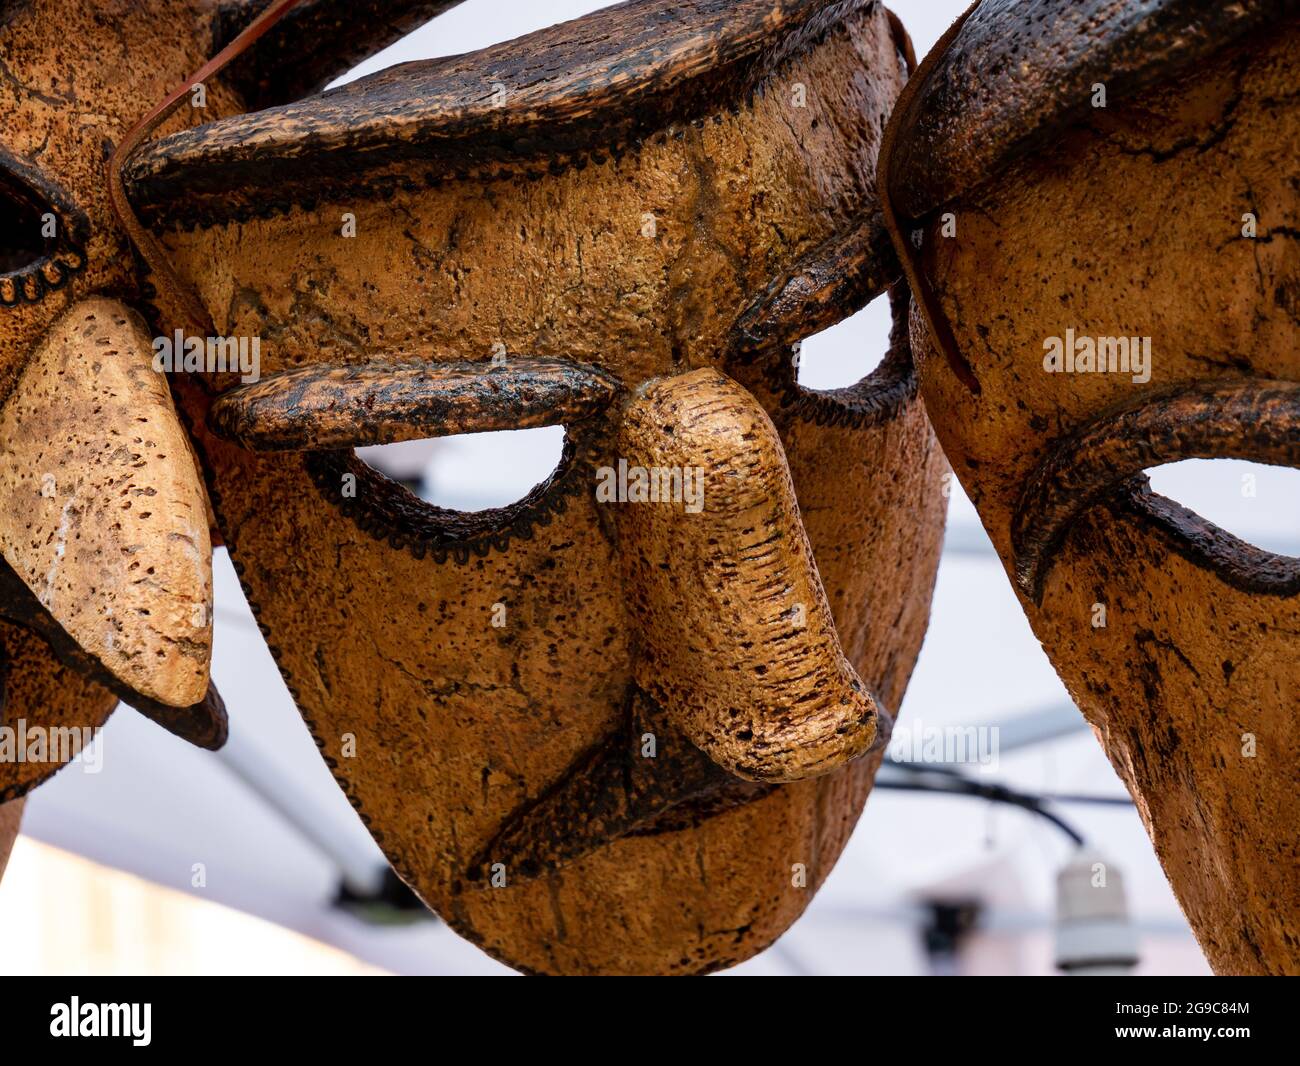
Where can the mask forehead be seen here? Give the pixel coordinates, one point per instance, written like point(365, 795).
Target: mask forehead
point(614, 207)
point(69, 94)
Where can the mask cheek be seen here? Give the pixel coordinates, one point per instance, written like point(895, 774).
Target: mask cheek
point(1190, 683)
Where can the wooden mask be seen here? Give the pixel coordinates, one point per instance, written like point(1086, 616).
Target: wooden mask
point(1099, 206)
point(602, 729)
point(105, 581)
point(105, 554)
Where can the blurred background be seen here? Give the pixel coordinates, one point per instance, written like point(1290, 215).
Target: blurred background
point(172, 861)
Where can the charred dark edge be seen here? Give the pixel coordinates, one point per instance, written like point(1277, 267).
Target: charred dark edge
point(1246, 420)
point(66, 250)
point(1237, 563)
point(164, 192)
point(315, 43)
point(1128, 49)
point(31, 285)
point(9, 10)
point(692, 813)
point(204, 724)
point(606, 793)
point(389, 512)
point(876, 399)
point(885, 720)
point(837, 279)
point(377, 403)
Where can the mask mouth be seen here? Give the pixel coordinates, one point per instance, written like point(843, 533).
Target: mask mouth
point(1254, 420)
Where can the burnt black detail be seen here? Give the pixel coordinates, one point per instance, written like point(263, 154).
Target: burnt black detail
point(876, 399)
point(203, 725)
point(1013, 74)
point(1101, 463)
point(315, 43)
point(650, 71)
point(612, 791)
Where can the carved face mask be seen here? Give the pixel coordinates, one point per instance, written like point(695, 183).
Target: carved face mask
point(105, 583)
point(615, 726)
point(105, 557)
point(1104, 250)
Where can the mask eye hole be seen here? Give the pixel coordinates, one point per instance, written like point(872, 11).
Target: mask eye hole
point(847, 352)
point(390, 497)
point(1257, 503)
point(24, 242)
point(471, 472)
point(37, 253)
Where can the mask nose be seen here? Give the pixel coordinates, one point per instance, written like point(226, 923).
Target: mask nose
point(104, 535)
point(737, 642)
point(739, 672)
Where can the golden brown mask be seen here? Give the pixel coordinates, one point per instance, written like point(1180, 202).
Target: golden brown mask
point(1074, 186)
point(657, 753)
point(105, 583)
point(105, 555)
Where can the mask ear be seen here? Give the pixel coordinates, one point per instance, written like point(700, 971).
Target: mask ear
point(103, 514)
